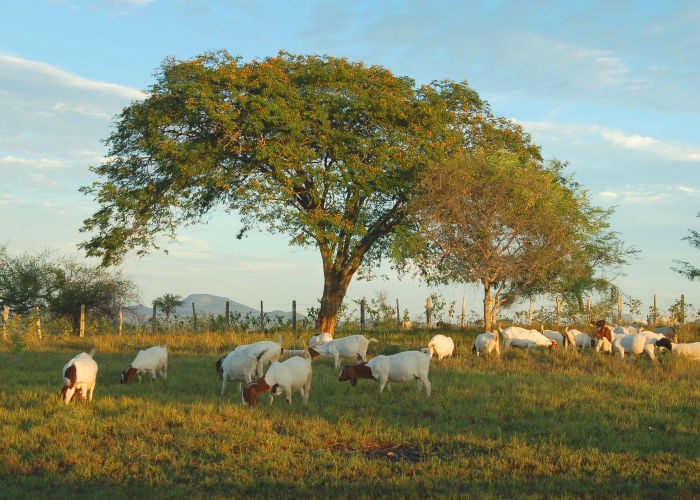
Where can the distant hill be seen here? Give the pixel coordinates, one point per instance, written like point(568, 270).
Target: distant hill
point(206, 304)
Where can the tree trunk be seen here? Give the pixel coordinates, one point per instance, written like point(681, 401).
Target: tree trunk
point(487, 306)
point(335, 285)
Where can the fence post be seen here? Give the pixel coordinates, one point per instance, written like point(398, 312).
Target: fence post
point(619, 309)
point(5, 319)
point(153, 323)
point(529, 314)
point(228, 320)
point(362, 315)
point(194, 318)
point(82, 320)
point(590, 310)
point(398, 315)
point(294, 315)
point(262, 314)
point(558, 312)
point(121, 319)
point(682, 318)
point(428, 312)
point(464, 312)
point(38, 321)
point(654, 313)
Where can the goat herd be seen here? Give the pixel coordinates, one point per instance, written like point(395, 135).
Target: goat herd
point(245, 364)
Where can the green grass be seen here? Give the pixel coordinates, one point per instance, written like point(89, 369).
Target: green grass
point(530, 424)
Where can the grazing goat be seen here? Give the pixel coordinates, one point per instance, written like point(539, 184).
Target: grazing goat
point(522, 337)
point(283, 377)
point(441, 346)
point(486, 343)
point(79, 377)
point(238, 366)
point(668, 331)
point(351, 347)
point(319, 339)
point(580, 339)
point(153, 360)
point(401, 367)
point(272, 352)
point(634, 344)
point(691, 350)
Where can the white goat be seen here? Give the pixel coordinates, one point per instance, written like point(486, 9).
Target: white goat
point(319, 339)
point(271, 352)
point(441, 346)
point(238, 366)
point(153, 361)
point(633, 344)
point(401, 367)
point(691, 349)
point(283, 377)
point(351, 347)
point(522, 337)
point(486, 343)
point(580, 339)
point(79, 377)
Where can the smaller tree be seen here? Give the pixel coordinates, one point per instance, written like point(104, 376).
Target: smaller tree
point(685, 268)
point(167, 304)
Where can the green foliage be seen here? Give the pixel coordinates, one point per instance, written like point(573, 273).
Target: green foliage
point(59, 287)
point(685, 268)
point(530, 424)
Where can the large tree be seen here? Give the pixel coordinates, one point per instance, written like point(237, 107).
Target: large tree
point(511, 223)
point(322, 149)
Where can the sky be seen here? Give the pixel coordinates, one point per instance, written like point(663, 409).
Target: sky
point(611, 88)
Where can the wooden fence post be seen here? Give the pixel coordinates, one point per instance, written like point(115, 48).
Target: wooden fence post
point(228, 318)
point(5, 319)
point(464, 312)
point(362, 315)
point(529, 314)
point(682, 318)
point(38, 321)
point(294, 315)
point(121, 319)
point(82, 320)
point(153, 323)
point(558, 312)
point(194, 318)
point(398, 315)
point(654, 312)
point(590, 310)
point(262, 318)
point(428, 312)
point(619, 309)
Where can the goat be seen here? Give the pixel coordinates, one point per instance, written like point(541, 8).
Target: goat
point(634, 344)
point(442, 346)
point(401, 367)
point(580, 339)
point(319, 339)
point(668, 331)
point(273, 351)
point(239, 366)
point(351, 347)
point(522, 337)
point(691, 350)
point(293, 374)
point(79, 377)
point(486, 343)
point(153, 360)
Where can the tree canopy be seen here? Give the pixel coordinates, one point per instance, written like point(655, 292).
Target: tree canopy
point(325, 150)
point(514, 225)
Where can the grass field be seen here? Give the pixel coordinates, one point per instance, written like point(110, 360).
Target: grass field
point(526, 425)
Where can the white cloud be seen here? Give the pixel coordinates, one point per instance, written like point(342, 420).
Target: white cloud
point(588, 133)
point(11, 64)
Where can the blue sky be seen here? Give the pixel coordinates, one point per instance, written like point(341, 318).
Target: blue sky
point(609, 87)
